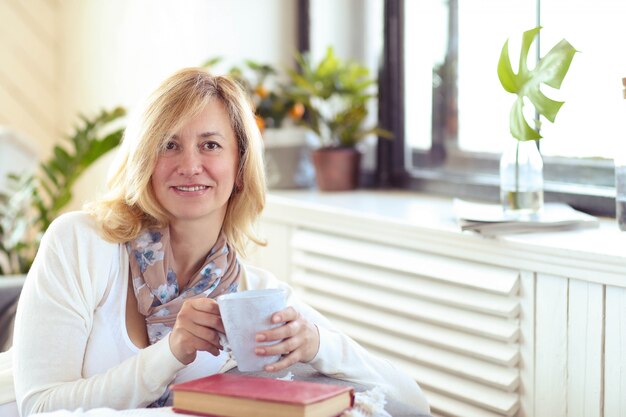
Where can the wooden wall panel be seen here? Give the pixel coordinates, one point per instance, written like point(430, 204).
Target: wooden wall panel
point(29, 70)
point(13, 116)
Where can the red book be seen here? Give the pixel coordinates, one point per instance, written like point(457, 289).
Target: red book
point(234, 395)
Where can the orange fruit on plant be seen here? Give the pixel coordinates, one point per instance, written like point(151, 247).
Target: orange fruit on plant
point(296, 111)
point(259, 122)
point(261, 91)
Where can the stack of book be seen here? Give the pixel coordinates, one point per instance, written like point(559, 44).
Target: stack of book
point(235, 395)
point(491, 220)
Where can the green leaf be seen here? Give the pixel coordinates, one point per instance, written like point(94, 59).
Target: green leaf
point(544, 105)
point(61, 200)
point(62, 156)
point(61, 170)
point(550, 70)
point(211, 62)
point(46, 195)
point(518, 125)
point(263, 69)
point(553, 67)
point(44, 185)
point(49, 171)
point(335, 94)
point(505, 72)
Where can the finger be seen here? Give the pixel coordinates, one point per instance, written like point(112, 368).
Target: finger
point(207, 305)
point(283, 348)
point(288, 314)
point(204, 345)
point(208, 320)
point(305, 342)
point(202, 312)
point(284, 362)
point(291, 317)
point(202, 333)
point(285, 331)
point(199, 306)
point(212, 349)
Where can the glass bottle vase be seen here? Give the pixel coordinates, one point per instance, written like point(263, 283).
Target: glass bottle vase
point(521, 178)
point(620, 192)
point(620, 180)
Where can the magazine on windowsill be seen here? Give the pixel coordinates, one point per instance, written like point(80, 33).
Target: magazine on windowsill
point(491, 220)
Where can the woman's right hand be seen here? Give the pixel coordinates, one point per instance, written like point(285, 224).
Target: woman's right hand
point(198, 327)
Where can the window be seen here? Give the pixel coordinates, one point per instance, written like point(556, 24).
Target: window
point(440, 68)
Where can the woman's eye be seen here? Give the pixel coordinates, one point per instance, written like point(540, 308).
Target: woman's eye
point(169, 146)
point(211, 146)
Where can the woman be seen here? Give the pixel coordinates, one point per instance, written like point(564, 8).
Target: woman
point(120, 301)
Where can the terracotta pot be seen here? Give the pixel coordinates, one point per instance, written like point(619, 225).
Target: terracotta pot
point(336, 169)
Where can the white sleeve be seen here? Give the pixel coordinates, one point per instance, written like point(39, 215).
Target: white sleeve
point(341, 357)
point(53, 324)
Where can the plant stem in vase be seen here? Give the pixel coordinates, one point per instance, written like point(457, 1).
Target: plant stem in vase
point(521, 169)
point(521, 178)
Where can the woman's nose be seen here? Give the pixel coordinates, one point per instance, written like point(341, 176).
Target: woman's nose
point(189, 163)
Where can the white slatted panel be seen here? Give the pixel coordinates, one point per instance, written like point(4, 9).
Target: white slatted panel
point(551, 347)
point(272, 257)
point(615, 353)
point(29, 53)
point(456, 408)
point(452, 324)
point(585, 349)
point(474, 300)
point(402, 305)
point(527, 344)
point(462, 273)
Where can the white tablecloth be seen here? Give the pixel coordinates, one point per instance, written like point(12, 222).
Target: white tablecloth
point(109, 412)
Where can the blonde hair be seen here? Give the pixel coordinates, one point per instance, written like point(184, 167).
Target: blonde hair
point(131, 206)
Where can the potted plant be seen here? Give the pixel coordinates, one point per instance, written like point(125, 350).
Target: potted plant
point(33, 201)
point(287, 151)
point(335, 94)
point(521, 166)
point(269, 93)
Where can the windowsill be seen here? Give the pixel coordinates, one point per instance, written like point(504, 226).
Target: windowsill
point(589, 198)
point(584, 183)
point(427, 223)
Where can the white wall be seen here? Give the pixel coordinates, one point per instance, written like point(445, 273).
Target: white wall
point(355, 30)
point(29, 74)
point(62, 58)
point(116, 51)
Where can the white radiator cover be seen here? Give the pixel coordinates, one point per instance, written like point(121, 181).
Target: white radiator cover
point(418, 312)
point(519, 326)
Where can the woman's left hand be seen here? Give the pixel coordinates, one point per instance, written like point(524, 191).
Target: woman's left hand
point(300, 340)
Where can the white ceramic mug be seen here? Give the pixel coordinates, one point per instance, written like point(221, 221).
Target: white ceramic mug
point(246, 313)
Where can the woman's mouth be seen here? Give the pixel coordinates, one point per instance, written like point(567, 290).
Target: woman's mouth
point(191, 188)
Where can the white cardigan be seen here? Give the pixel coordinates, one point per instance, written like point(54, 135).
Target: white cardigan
point(71, 280)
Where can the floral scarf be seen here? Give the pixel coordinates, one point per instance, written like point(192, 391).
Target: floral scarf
point(154, 281)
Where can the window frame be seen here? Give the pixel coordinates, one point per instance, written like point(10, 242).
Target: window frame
point(446, 170)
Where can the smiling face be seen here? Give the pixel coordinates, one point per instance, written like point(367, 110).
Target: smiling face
point(196, 171)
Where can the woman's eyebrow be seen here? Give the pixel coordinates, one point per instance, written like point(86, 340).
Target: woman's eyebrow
point(210, 134)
